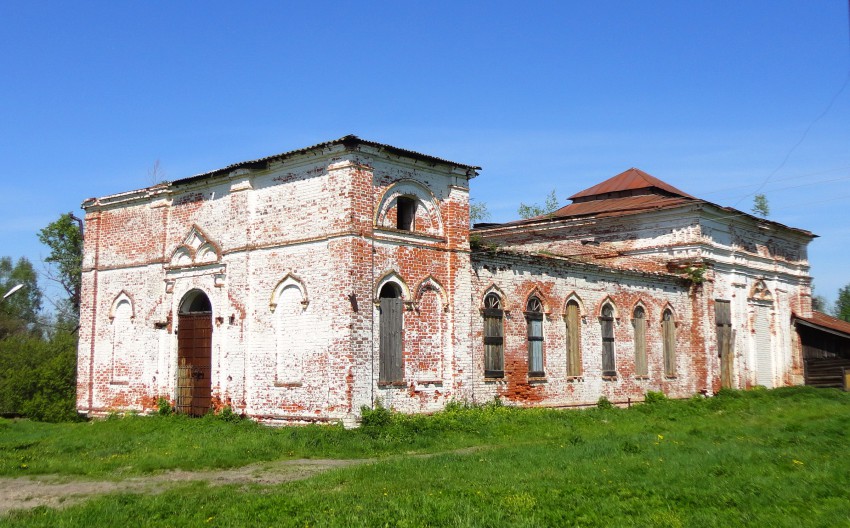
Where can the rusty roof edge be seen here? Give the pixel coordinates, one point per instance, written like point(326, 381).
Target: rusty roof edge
point(349, 141)
point(577, 263)
point(533, 223)
point(843, 327)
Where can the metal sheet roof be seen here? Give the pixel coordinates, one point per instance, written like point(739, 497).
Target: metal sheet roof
point(823, 321)
point(349, 141)
point(630, 180)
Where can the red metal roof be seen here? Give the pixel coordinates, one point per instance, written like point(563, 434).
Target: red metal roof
point(630, 180)
point(625, 205)
point(827, 321)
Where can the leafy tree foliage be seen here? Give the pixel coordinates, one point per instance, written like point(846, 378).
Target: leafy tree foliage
point(64, 237)
point(38, 377)
point(842, 304)
point(478, 212)
point(18, 311)
point(760, 206)
point(818, 301)
point(550, 205)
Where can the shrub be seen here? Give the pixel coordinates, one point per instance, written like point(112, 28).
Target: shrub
point(604, 403)
point(164, 407)
point(653, 397)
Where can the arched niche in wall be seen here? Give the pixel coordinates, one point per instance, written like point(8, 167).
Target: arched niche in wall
point(289, 281)
point(407, 205)
point(429, 283)
point(294, 330)
point(121, 316)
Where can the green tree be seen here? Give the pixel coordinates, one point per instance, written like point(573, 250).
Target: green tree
point(477, 212)
point(760, 206)
point(818, 301)
point(18, 311)
point(64, 237)
point(842, 304)
point(550, 205)
point(38, 377)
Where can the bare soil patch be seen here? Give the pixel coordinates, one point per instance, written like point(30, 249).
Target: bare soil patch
point(55, 492)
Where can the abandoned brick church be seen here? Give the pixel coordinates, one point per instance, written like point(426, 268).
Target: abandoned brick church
point(302, 286)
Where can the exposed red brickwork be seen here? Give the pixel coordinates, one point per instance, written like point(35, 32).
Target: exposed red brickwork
point(291, 254)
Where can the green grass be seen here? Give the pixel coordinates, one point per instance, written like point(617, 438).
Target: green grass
point(758, 458)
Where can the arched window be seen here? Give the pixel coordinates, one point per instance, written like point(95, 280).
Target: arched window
point(639, 323)
point(573, 321)
point(390, 368)
point(668, 330)
point(607, 323)
point(494, 337)
point(534, 319)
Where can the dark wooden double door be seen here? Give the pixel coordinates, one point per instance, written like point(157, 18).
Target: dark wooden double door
point(194, 364)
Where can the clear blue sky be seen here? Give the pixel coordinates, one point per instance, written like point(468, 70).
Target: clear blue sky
point(709, 96)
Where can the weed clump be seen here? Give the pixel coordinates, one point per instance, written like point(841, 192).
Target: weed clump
point(655, 397)
point(604, 404)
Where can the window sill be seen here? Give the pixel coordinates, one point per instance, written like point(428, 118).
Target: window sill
point(119, 382)
point(288, 384)
point(642, 378)
point(494, 374)
point(537, 379)
point(671, 377)
point(575, 379)
point(610, 378)
point(438, 382)
point(391, 384)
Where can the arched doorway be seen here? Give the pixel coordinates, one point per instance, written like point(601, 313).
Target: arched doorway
point(390, 368)
point(194, 354)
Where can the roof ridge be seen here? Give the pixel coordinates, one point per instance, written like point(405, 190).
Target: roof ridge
point(629, 180)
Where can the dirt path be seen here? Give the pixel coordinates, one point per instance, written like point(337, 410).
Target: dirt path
point(56, 491)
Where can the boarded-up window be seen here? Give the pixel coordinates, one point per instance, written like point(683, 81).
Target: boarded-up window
point(573, 339)
point(406, 213)
point(764, 357)
point(391, 322)
point(668, 331)
point(725, 338)
point(494, 339)
point(639, 323)
point(606, 322)
point(534, 319)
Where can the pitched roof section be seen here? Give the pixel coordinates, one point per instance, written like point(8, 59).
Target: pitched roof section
point(350, 141)
point(620, 206)
point(822, 321)
point(630, 180)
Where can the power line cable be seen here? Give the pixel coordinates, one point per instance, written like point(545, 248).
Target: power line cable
point(800, 141)
point(808, 128)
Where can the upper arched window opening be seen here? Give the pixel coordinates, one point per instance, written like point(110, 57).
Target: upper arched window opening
point(406, 213)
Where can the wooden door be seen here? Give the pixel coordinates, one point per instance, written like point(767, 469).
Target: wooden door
point(194, 362)
point(390, 367)
point(725, 338)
